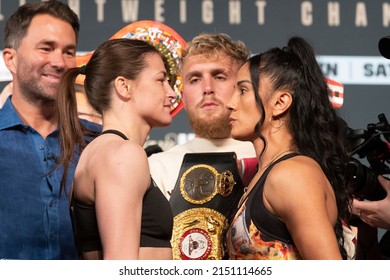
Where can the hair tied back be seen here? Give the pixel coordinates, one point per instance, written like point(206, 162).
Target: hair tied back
point(82, 69)
point(287, 50)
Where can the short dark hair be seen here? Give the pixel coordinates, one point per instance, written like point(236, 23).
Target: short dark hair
point(17, 24)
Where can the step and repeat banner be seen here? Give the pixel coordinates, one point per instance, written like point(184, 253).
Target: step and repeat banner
point(344, 34)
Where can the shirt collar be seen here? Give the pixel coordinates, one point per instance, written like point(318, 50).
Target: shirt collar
point(8, 116)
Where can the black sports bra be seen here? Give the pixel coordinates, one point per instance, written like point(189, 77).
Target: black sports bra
point(262, 218)
point(156, 223)
point(113, 131)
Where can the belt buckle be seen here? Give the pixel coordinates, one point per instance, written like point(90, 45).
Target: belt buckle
point(200, 183)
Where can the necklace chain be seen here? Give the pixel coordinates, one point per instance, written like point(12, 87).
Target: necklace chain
point(244, 195)
point(275, 158)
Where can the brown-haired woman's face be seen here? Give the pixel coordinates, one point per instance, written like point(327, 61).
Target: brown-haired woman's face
point(244, 111)
point(153, 94)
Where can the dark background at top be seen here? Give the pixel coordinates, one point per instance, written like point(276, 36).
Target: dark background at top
point(362, 103)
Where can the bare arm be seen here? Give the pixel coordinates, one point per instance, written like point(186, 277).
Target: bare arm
point(119, 189)
point(298, 192)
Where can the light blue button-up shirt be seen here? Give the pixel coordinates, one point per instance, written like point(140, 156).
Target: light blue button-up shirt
point(34, 217)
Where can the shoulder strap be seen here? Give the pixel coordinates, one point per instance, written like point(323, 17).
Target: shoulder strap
point(269, 224)
point(277, 161)
point(117, 132)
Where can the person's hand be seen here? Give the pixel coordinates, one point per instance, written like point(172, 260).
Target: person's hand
point(375, 213)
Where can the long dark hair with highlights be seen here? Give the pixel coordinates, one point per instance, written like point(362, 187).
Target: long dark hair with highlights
point(317, 130)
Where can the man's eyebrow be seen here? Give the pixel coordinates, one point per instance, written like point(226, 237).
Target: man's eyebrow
point(219, 71)
point(193, 74)
point(213, 72)
point(54, 43)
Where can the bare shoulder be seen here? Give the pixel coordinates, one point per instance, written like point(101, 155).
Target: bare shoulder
point(298, 179)
point(116, 157)
point(129, 148)
point(296, 171)
point(126, 154)
point(113, 148)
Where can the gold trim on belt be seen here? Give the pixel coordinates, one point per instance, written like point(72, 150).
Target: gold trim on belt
point(200, 183)
point(197, 235)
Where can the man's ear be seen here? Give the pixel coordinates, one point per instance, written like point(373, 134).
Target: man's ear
point(181, 94)
point(10, 59)
point(123, 87)
point(282, 101)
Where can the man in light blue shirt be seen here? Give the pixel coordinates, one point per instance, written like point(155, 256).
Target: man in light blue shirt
point(34, 218)
point(39, 46)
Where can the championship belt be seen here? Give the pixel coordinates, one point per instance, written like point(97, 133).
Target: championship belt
point(206, 193)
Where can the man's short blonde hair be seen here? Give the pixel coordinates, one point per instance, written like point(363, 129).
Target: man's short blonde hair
point(210, 44)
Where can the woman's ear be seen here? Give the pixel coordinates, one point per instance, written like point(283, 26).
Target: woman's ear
point(282, 101)
point(123, 87)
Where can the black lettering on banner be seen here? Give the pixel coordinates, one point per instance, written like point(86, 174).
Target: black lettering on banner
point(380, 70)
point(329, 69)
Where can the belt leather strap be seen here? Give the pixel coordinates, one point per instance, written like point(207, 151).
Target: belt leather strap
point(206, 193)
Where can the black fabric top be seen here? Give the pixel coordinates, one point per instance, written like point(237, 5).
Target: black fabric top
point(116, 132)
point(263, 219)
point(156, 223)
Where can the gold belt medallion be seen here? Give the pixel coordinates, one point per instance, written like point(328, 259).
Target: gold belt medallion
point(200, 183)
point(197, 235)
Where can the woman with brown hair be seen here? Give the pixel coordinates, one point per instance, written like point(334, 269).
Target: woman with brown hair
point(117, 211)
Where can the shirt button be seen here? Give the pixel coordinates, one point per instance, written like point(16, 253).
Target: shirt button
point(52, 204)
point(41, 147)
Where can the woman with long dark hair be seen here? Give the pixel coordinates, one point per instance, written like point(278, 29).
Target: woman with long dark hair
point(297, 204)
